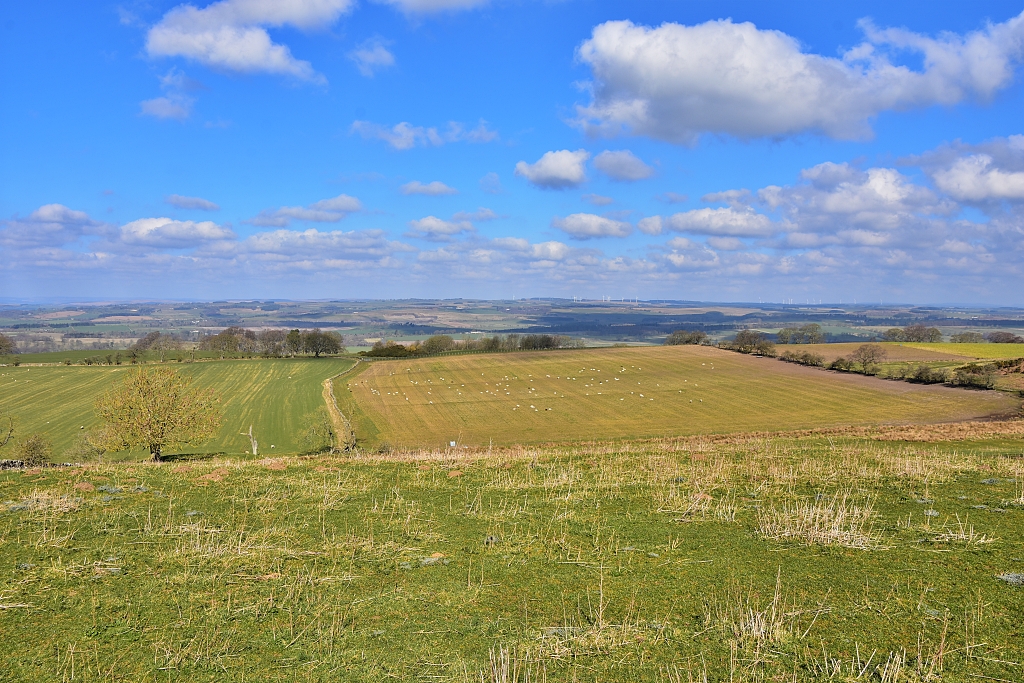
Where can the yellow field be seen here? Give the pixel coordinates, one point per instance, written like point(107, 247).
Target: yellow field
point(630, 392)
point(983, 351)
point(894, 352)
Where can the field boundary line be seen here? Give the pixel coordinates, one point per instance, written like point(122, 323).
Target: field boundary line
point(346, 435)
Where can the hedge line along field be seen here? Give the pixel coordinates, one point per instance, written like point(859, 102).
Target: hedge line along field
point(891, 555)
point(559, 396)
point(273, 395)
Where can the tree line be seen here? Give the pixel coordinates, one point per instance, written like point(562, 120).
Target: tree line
point(441, 343)
point(274, 343)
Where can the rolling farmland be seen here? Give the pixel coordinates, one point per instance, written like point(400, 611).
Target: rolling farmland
point(272, 395)
point(630, 392)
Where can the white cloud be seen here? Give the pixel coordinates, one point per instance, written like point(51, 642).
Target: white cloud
point(676, 82)
point(324, 211)
point(491, 184)
point(734, 198)
point(176, 103)
point(372, 56)
point(725, 243)
point(231, 34)
point(171, 107)
point(164, 232)
point(404, 135)
point(316, 246)
point(673, 197)
point(432, 6)
point(434, 228)
point(196, 203)
point(622, 165)
point(58, 213)
point(343, 203)
point(975, 178)
point(839, 197)
point(598, 200)
point(651, 225)
point(434, 188)
point(480, 215)
point(729, 221)
point(556, 170)
point(50, 225)
point(583, 226)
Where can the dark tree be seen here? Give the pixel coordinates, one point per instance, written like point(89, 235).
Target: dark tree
point(1005, 338)
point(293, 342)
point(894, 334)
point(7, 345)
point(752, 341)
point(867, 355)
point(321, 343)
point(682, 337)
point(437, 344)
point(921, 333)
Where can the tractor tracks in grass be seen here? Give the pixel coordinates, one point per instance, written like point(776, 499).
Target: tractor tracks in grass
point(345, 434)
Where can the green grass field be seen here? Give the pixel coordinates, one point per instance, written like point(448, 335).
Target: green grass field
point(755, 559)
point(628, 393)
point(271, 395)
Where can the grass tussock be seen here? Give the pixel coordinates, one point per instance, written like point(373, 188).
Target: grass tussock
point(836, 520)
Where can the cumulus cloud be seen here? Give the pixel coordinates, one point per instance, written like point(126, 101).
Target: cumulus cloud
point(404, 135)
point(432, 6)
point(324, 211)
point(195, 203)
point(436, 229)
point(315, 247)
point(987, 173)
point(434, 188)
point(676, 82)
point(372, 56)
point(673, 197)
point(975, 178)
point(622, 165)
point(232, 35)
point(556, 170)
point(584, 226)
point(165, 232)
point(49, 225)
point(725, 221)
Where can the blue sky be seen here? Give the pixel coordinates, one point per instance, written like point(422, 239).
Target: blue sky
point(473, 148)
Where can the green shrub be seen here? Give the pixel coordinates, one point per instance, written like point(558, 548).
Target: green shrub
point(34, 450)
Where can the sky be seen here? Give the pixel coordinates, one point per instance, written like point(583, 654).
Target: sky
point(350, 149)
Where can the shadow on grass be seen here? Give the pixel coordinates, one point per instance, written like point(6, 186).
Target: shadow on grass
point(186, 457)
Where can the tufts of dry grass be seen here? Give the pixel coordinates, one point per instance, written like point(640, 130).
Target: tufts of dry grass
point(46, 502)
point(838, 520)
point(963, 533)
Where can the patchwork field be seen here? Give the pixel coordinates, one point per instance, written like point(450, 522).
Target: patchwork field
point(869, 558)
point(894, 352)
point(615, 393)
point(271, 395)
point(980, 351)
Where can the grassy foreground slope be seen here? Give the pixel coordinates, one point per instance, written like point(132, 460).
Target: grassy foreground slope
point(630, 393)
point(272, 395)
point(740, 559)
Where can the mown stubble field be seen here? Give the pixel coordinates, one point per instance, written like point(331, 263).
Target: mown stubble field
point(558, 396)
